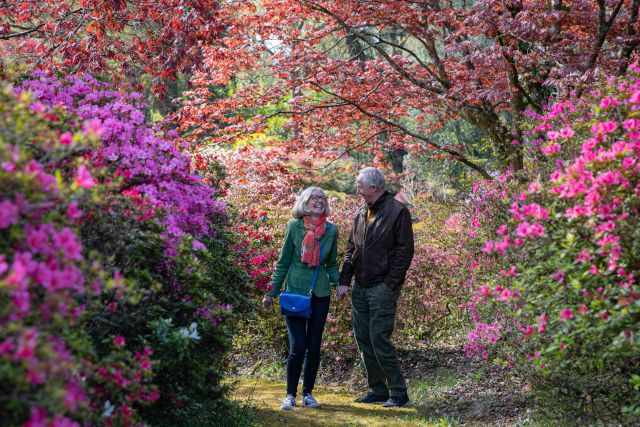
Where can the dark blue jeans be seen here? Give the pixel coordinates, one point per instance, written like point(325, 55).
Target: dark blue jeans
point(305, 338)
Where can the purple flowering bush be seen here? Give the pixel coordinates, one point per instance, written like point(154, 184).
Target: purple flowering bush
point(115, 270)
point(149, 166)
point(565, 310)
point(51, 373)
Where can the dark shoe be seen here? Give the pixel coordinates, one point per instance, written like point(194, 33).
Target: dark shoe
point(372, 398)
point(396, 401)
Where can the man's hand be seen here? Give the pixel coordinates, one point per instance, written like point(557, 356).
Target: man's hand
point(267, 301)
point(341, 291)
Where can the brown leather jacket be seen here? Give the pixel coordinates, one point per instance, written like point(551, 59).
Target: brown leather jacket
point(381, 252)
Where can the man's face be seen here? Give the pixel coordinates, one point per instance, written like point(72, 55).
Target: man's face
point(368, 192)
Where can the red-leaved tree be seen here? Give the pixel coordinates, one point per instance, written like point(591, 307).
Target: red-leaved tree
point(380, 76)
point(127, 37)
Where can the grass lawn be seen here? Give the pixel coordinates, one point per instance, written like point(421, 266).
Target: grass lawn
point(338, 408)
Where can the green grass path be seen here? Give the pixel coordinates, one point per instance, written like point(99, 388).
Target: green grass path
point(338, 408)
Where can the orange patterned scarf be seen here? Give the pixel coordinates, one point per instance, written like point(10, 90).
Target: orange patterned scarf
point(310, 243)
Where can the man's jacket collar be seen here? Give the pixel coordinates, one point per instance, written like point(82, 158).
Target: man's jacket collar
point(379, 202)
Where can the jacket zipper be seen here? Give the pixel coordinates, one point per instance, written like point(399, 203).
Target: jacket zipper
point(364, 243)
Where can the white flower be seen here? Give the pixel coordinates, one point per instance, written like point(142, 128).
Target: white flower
point(108, 409)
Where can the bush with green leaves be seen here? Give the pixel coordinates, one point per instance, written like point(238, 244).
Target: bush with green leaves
point(565, 310)
point(116, 275)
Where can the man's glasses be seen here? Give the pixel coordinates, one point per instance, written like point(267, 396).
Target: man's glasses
point(318, 198)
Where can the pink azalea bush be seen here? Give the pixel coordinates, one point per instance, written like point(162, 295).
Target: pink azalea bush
point(148, 165)
point(566, 309)
point(51, 372)
point(117, 281)
point(448, 258)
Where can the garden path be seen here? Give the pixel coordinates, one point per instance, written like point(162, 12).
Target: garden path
point(338, 408)
point(445, 387)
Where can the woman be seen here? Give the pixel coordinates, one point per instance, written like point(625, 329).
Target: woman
point(309, 242)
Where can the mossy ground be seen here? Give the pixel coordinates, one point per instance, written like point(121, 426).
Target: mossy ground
point(338, 407)
point(446, 388)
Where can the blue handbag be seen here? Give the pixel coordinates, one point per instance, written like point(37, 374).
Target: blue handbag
point(297, 305)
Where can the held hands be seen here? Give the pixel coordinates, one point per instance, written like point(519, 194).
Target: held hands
point(267, 301)
point(341, 291)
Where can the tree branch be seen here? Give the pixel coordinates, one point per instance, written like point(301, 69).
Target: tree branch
point(24, 33)
point(404, 73)
point(631, 46)
point(604, 26)
point(454, 154)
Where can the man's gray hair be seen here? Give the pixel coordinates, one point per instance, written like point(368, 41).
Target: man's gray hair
point(300, 208)
point(372, 176)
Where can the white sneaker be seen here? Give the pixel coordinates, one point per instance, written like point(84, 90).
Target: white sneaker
point(288, 403)
point(310, 402)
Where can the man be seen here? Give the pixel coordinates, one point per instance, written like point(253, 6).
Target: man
point(379, 252)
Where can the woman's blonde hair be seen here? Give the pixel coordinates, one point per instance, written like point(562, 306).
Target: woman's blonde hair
point(300, 208)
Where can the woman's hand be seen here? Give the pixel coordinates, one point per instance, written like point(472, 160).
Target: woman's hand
point(267, 301)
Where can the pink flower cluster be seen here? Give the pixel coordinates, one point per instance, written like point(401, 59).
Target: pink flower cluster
point(152, 166)
point(587, 209)
point(44, 276)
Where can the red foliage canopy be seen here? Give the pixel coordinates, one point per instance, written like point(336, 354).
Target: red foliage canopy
point(379, 75)
point(123, 37)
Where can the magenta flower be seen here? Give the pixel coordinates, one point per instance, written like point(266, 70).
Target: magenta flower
point(38, 239)
point(66, 138)
point(4, 266)
point(536, 211)
point(145, 364)
point(542, 327)
point(507, 294)
point(74, 396)
point(84, 178)
point(567, 132)
point(488, 247)
point(118, 341)
point(603, 128)
point(555, 176)
point(631, 124)
point(566, 314)
point(68, 242)
point(553, 135)
point(558, 276)
point(523, 229)
point(550, 149)
point(608, 102)
point(93, 128)
point(8, 214)
point(534, 187)
point(484, 290)
point(21, 267)
point(73, 212)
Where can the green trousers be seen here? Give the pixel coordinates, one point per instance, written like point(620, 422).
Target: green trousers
point(373, 317)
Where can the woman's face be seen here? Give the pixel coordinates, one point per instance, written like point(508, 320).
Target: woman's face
point(317, 203)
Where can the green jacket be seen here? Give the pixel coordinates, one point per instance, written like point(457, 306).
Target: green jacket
point(299, 275)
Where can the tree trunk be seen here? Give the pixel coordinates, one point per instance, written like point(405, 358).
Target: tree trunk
point(507, 153)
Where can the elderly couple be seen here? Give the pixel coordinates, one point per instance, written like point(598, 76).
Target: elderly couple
point(378, 254)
